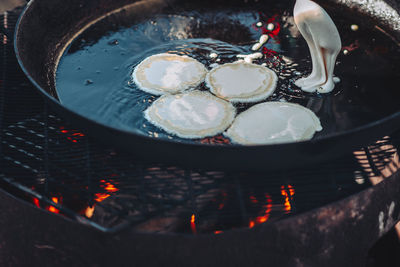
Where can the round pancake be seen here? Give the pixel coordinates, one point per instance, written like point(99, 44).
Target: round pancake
point(272, 123)
point(194, 114)
point(242, 82)
point(168, 74)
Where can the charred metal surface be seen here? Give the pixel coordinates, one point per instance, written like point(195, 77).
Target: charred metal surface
point(339, 234)
point(346, 230)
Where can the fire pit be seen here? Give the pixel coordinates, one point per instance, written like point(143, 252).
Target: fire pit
point(69, 200)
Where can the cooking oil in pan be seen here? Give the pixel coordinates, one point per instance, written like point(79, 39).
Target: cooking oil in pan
point(94, 77)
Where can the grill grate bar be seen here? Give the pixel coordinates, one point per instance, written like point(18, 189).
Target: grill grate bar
point(239, 197)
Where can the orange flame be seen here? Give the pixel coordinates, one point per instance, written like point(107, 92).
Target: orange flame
point(72, 135)
point(284, 192)
point(193, 224)
point(101, 197)
point(267, 211)
point(89, 212)
point(51, 208)
point(217, 232)
point(252, 224)
point(109, 187)
point(36, 202)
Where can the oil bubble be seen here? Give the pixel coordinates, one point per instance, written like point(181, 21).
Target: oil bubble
point(113, 42)
point(88, 82)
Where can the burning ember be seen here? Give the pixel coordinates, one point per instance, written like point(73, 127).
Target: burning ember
point(109, 187)
point(101, 197)
point(51, 208)
point(36, 202)
point(287, 193)
point(89, 211)
point(266, 213)
point(193, 224)
point(72, 135)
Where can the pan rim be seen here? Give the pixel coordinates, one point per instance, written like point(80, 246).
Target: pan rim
point(53, 100)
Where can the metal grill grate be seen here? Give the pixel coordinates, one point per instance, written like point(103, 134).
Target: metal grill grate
point(47, 162)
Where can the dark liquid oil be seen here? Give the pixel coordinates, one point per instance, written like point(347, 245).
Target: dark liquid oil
point(94, 74)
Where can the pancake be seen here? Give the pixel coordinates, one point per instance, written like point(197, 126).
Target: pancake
point(194, 114)
point(274, 123)
point(242, 82)
point(168, 74)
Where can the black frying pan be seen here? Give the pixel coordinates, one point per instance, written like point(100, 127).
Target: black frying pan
point(46, 26)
